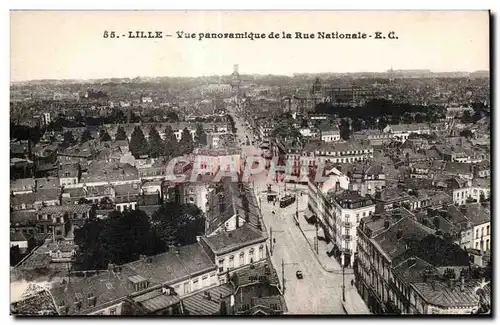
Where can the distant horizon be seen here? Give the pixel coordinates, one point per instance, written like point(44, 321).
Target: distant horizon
point(250, 74)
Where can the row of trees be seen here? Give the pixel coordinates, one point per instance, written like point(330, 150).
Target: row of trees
point(124, 236)
point(155, 146)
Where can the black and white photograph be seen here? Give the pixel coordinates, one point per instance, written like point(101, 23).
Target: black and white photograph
point(250, 163)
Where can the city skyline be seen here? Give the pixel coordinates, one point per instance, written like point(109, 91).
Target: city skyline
point(428, 40)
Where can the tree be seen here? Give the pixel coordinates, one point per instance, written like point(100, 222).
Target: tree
point(68, 139)
point(201, 136)
point(186, 144)
point(138, 145)
point(120, 134)
point(169, 142)
point(86, 136)
point(155, 143)
point(101, 241)
point(345, 129)
point(172, 116)
point(178, 224)
point(104, 135)
point(106, 204)
point(466, 133)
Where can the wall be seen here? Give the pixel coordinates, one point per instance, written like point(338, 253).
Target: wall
point(130, 205)
point(68, 181)
point(196, 283)
point(240, 260)
point(118, 309)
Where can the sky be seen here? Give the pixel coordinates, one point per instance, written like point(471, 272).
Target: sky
point(70, 44)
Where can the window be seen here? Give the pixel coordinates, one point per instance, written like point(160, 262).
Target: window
point(261, 251)
point(186, 287)
point(231, 262)
point(487, 230)
point(477, 233)
point(112, 311)
point(364, 214)
point(242, 258)
point(195, 284)
point(482, 231)
point(477, 245)
point(251, 255)
point(357, 218)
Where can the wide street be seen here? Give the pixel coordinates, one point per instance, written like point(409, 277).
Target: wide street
point(319, 292)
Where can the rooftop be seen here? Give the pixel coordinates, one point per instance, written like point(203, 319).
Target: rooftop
point(226, 242)
point(257, 272)
point(170, 266)
point(70, 209)
point(441, 294)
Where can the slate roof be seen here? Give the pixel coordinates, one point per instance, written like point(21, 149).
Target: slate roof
point(442, 295)
point(200, 304)
point(17, 236)
point(270, 303)
point(411, 230)
point(411, 270)
point(478, 213)
point(171, 267)
point(22, 184)
point(226, 242)
point(51, 194)
point(156, 300)
point(254, 274)
point(35, 304)
point(19, 199)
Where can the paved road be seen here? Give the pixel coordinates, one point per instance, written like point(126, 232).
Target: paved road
point(320, 291)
